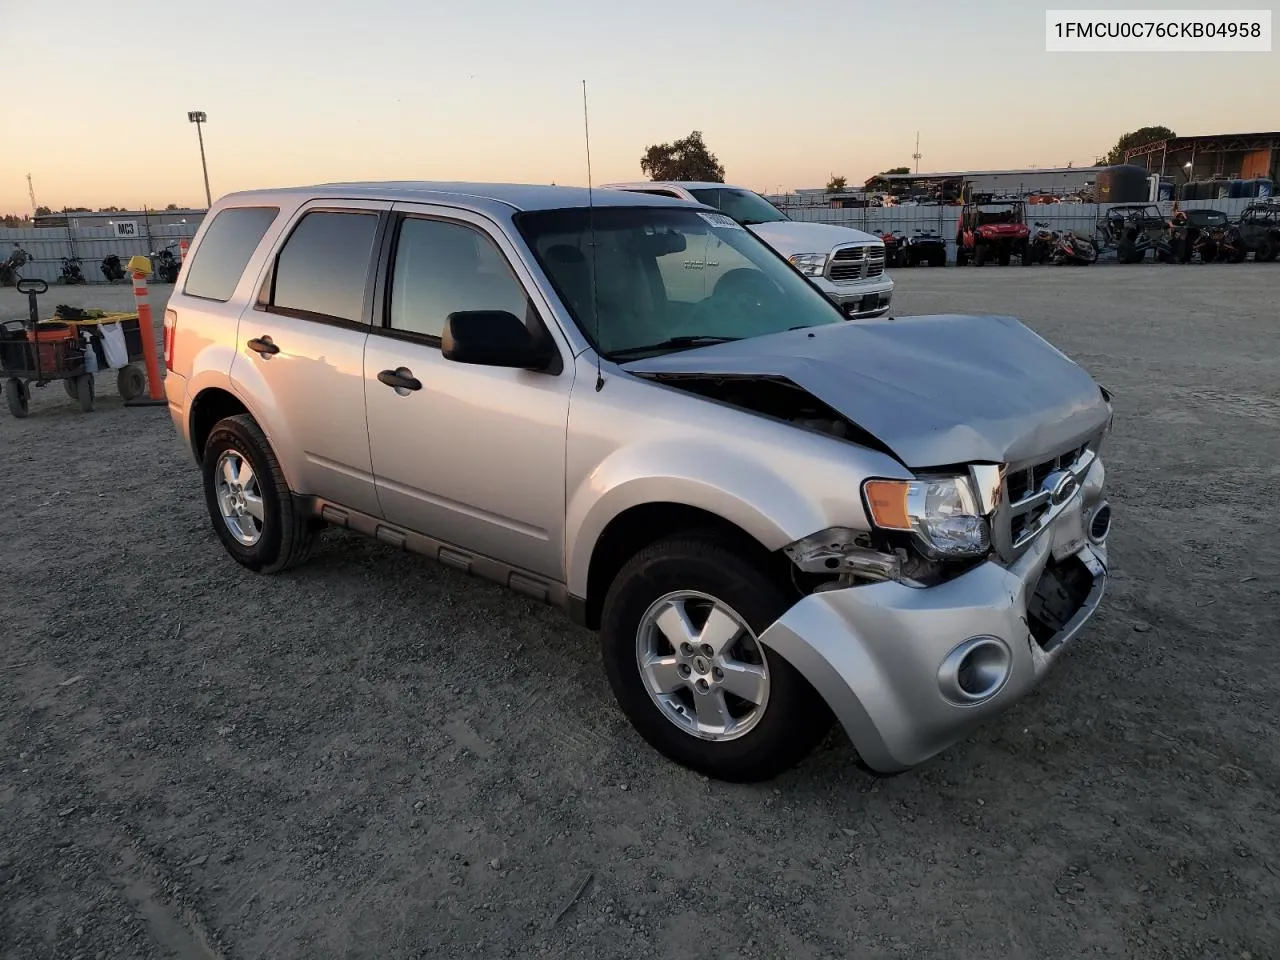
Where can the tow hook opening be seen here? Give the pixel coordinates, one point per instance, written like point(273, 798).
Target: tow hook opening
point(975, 670)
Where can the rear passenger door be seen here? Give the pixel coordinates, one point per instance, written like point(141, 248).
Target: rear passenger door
point(300, 356)
point(474, 456)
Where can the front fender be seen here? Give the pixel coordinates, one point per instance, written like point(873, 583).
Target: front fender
point(747, 492)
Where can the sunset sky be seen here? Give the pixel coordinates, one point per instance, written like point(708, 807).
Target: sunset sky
point(785, 93)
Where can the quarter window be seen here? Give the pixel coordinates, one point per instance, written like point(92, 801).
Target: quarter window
point(324, 266)
point(224, 251)
point(443, 268)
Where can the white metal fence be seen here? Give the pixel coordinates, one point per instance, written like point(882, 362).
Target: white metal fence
point(46, 246)
point(1079, 218)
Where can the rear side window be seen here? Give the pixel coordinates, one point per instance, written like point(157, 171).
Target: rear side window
point(324, 265)
point(224, 251)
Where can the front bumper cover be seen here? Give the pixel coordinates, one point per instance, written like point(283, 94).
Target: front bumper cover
point(873, 652)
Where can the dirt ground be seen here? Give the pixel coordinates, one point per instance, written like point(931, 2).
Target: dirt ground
point(373, 756)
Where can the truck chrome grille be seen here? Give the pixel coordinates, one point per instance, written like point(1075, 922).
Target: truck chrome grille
point(855, 263)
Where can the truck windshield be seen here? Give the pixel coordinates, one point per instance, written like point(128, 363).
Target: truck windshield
point(744, 206)
point(659, 280)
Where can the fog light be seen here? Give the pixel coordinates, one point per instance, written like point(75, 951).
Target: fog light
point(975, 671)
point(1100, 523)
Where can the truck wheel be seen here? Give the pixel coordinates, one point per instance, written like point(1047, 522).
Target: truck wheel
point(962, 258)
point(979, 254)
point(131, 382)
point(84, 391)
point(1266, 251)
point(69, 388)
point(249, 502)
point(679, 641)
point(18, 395)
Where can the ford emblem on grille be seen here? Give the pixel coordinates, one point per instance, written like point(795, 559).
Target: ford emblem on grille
point(1061, 485)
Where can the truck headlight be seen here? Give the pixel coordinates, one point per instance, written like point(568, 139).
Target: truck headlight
point(810, 264)
point(942, 512)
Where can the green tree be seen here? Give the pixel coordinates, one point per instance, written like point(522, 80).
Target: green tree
point(1130, 141)
point(687, 159)
point(837, 184)
point(43, 211)
point(172, 206)
point(895, 170)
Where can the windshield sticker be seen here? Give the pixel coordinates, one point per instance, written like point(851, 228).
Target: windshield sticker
point(720, 220)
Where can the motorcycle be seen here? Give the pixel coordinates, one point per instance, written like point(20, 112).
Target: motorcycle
point(9, 275)
point(165, 265)
point(1065, 248)
point(111, 268)
point(71, 272)
point(1074, 251)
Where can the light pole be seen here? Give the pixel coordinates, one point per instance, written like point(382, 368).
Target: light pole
point(199, 117)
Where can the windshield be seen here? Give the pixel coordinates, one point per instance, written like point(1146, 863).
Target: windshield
point(997, 213)
point(668, 279)
point(744, 206)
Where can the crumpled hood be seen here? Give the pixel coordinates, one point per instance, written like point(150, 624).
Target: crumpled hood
point(936, 390)
point(790, 237)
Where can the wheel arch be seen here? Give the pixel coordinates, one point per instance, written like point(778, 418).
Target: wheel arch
point(642, 524)
point(216, 402)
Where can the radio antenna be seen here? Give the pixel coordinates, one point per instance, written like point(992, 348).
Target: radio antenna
point(591, 229)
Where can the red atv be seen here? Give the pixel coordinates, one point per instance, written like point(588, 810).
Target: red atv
point(992, 230)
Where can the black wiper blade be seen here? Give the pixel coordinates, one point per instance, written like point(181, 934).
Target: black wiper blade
point(672, 343)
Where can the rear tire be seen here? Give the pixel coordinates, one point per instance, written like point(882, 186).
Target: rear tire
point(18, 395)
point(285, 535)
point(1266, 251)
point(693, 571)
point(962, 258)
point(979, 254)
point(69, 388)
point(131, 382)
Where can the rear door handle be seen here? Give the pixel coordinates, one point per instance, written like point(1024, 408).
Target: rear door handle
point(263, 346)
point(401, 378)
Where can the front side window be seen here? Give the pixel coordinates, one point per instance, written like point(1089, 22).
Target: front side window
point(224, 251)
point(324, 265)
point(443, 268)
point(641, 281)
point(742, 205)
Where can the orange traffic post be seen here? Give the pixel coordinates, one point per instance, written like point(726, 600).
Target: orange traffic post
point(140, 268)
point(183, 246)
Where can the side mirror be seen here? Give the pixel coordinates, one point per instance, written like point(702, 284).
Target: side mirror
point(493, 338)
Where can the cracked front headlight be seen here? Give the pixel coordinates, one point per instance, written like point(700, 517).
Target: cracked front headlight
point(810, 264)
point(942, 513)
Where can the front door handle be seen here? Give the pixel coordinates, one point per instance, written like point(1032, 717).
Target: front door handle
point(263, 346)
point(401, 378)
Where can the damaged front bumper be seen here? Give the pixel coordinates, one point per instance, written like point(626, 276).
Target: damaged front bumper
point(908, 670)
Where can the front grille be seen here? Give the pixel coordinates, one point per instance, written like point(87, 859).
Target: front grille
point(875, 268)
point(1026, 480)
point(1027, 504)
point(850, 263)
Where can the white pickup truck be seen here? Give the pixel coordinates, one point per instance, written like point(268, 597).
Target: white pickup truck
point(845, 264)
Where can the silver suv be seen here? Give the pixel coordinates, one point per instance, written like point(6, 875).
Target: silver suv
point(632, 408)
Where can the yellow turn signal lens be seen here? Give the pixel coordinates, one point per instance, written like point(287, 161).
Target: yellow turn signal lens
point(887, 501)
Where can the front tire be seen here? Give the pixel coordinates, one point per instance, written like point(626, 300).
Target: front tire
point(249, 502)
point(679, 642)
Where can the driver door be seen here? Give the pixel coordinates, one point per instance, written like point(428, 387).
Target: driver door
point(473, 456)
